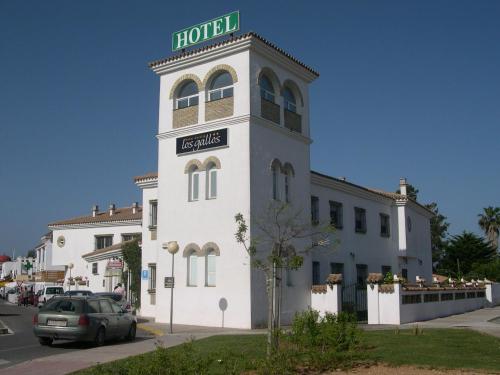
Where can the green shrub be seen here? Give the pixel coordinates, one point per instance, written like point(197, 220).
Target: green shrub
point(328, 333)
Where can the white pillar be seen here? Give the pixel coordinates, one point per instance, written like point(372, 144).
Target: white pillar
point(372, 293)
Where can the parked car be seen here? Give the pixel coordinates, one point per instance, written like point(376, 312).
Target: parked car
point(92, 319)
point(48, 292)
point(79, 293)
point(118, 298)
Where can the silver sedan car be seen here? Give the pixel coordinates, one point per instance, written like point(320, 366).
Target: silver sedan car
point(92, 319)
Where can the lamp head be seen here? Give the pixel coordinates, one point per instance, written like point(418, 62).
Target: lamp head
point(70, 265)
point(172, 247)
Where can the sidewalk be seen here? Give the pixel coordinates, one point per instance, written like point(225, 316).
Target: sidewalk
point(77, 360)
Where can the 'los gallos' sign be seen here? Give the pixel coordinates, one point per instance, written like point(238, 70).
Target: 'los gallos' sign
point(226, 24)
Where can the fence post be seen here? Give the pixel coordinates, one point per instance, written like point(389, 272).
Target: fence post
point(373, 303)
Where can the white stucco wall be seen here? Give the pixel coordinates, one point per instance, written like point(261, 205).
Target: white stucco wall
point(80, 241)
point(329, 302)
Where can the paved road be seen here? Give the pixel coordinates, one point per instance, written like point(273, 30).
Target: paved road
point(23, 345)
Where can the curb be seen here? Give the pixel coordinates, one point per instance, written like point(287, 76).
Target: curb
point(152, 330)
point(3, 329)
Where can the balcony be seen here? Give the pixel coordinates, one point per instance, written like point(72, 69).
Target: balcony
point(269, 110)
point(293, 121)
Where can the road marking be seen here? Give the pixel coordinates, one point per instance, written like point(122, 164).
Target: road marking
point(3, 361)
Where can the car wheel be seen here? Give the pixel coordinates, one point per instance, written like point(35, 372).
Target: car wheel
point(100, 337)
point(132, 332)
point(46, 341)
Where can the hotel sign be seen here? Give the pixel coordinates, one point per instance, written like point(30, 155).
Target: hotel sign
point(226, 24)
point(201, 141)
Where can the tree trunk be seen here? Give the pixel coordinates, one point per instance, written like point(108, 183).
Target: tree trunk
point(270, 312)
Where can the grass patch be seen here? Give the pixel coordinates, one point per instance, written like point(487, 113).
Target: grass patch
point(436, 348)
point(445, 348)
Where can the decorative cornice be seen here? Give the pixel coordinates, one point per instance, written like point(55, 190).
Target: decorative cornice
point(96, 225)
point(103, 256)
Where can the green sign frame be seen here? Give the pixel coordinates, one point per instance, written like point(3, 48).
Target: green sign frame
point(223, 25)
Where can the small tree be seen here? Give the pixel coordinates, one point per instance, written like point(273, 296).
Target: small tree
point(132, 257)
point(278, 248)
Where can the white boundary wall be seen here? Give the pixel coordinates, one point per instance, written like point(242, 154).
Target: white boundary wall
point(493, 294)
point(329, 301)
point(404, 306)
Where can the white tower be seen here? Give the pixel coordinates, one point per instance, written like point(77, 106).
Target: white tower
point(229, 114)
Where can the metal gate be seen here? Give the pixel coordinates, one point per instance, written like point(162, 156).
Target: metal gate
point(354, 300)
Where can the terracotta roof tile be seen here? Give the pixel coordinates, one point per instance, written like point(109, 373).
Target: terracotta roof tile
point(117, 246)
point(230, 40)
point(146, 176)
point(120, 214)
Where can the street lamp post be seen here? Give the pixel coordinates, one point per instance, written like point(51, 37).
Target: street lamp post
point(70, 266)
point(173, 248)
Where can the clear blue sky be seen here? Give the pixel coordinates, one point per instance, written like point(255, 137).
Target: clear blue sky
point(407, 88)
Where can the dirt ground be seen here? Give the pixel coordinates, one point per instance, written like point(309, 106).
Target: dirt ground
point(407, 370)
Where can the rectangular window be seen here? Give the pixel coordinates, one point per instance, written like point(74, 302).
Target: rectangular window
point(152, 277)
point(434, 297)
point(213, 184)
point(103, 241)
point(386, 270)
point(216, 94)
point(153, 213)
point(447, 297)
point(187, 101)
point(211, 269)
point(314, 210)
point(94, 268)
point(385, 230)
point(193, 270)
point(195, 186)
point(130, 236)
point(404, 273)
point(289, 277)
point(316, 274)
point(336, 214)
point(359, 220)
point(264, 94)
point(337, 268)
point(361, 275)
point(411, 299)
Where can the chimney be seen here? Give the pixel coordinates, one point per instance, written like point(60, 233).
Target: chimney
point(95, 210)
point(402, 186)
point(343, 178)
point(135, 206)
point(112, 208)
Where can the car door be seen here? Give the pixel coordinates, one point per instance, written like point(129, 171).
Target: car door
point(123, 323)
point(109, 317)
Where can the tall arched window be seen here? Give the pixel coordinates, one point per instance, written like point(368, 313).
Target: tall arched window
point(266, 88)
point(221, 87)
point(287, 187)
point(276, 176)
point(194, 183)
point(193, 269)
point(210, 268)
point(211, 182)
point(188, 95)
point(289, 98)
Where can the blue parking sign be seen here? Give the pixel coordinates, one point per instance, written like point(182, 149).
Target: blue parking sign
point(145, 274)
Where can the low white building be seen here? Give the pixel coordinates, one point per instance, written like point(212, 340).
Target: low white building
point(92, 246)
point(234, 135)
point(20, 269)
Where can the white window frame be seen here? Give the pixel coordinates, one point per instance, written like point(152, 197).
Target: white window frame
point(153, 213)
point(222, 91)
point(211, 281)
point(211, 186)
point(192, 279)
point(152, 277)
point(267, 95)
point(276, 183)
point(292, 107)
point(194, 194)
point(189, 99)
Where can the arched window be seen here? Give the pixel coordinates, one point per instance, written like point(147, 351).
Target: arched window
point(290, 103)
point(276, 176)
point(211, 182)
point(266, 88)
point(210, 268)
point(221, 87)
point(188, 95)
point(194, 183)
point(193, 269)
point(287, 187)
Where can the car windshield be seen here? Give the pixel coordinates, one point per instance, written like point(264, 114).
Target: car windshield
point(63, 305)
point(54, 291)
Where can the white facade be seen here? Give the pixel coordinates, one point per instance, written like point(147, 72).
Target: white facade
point(77, 237)
point(44, 255)
point(231, 292)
